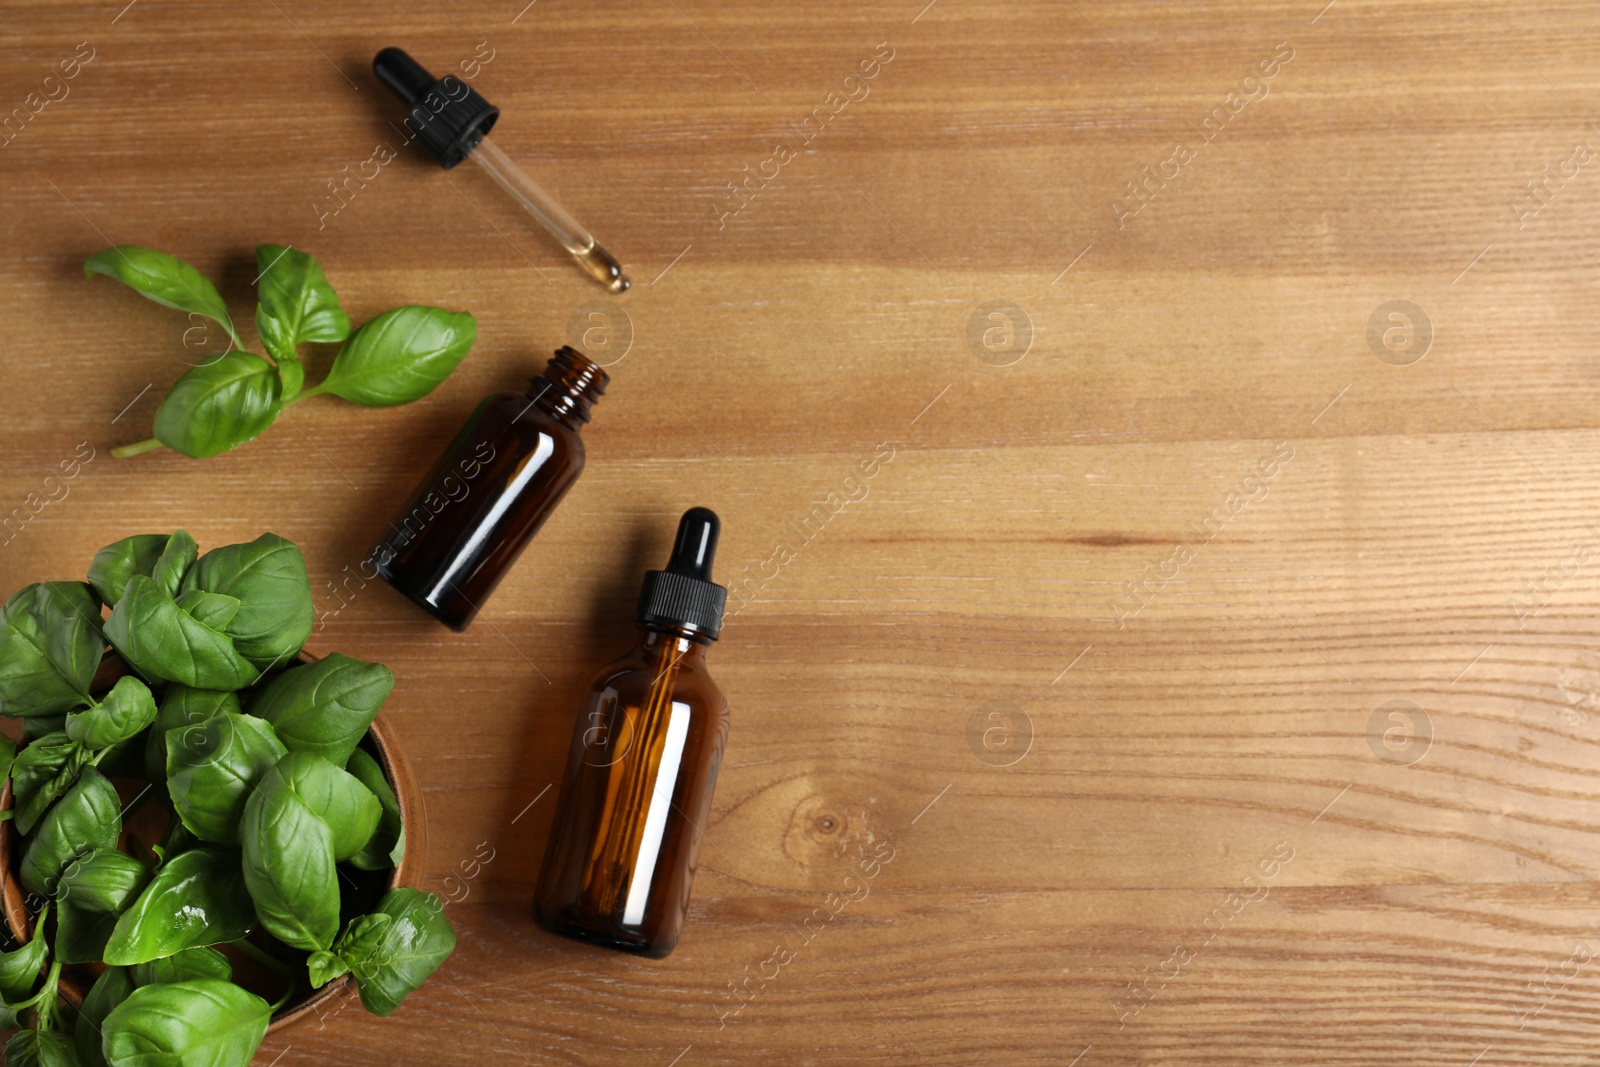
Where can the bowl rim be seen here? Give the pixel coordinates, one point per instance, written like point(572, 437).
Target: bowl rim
point(333, 996)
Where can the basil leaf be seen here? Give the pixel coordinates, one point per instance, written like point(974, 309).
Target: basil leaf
point(182, 705)
point(161, 640)
point(323, 967)
point(81, 934)
point(109, 990)
point(177, 556)
point(203, 1022)
point(268, 576)
point(117, 562)
point(289, 865)
point(50, 647)
point(337, 797)
point(379, 853)
point(101, 881)
point(399, 356)
point(87, 816)
point(8, 755)
point(215, 610)
point(184, 966)
point(19, 968)
point(41, 1048)
point(197, 898)
point(164, 278)
point(292, 373)
point(29, 685)
point(390, 960)
point(325, 707)
point(296, 303)
point(212, 768)
point(116, 717)
point(42, 771)
point(68, 614)
point(218, 405)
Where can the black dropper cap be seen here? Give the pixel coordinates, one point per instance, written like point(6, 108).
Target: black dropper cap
point(446, 115)
point(683, 596)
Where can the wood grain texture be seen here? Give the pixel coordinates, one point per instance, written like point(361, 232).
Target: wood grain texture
point(1090, 889)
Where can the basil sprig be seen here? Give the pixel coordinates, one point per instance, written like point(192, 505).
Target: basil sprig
point(234, 397)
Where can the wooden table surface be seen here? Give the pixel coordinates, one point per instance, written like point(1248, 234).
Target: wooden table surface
point(1213, 647)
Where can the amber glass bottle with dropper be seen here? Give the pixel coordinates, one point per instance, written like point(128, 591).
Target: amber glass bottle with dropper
point(641, 767)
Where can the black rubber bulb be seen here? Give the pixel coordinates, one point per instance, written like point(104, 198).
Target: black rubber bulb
point(403, 75)
point(696, 545)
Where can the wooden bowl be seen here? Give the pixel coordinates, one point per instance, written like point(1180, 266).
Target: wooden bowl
point(380, 743)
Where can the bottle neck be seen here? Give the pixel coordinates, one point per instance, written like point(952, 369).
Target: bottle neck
point(685, 646)
point(568, 387)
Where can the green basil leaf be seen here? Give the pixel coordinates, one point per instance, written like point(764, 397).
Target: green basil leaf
point(399, 356)
point(29, 685)
point(378, 853)
point(119, 561)
point(50, 647)
point(42, 771)
point(289, 865)
point(164, 278)
point(19, 968)
point(202, 1022)
point(390, 962)
point(8, 755)
point(161, 640)
point(32, 808)
point(215, 610)
point(218, 405)
point(292, 373)
point(177, 556)
point(197, 898)
point(68, 614)
point(81, 934)
point(182, 705)
point(109, 990)
point(87, 816)
point(296, 304)
point(325, 707)
point(212, 768)
point(103, 880)
point(116, 717)
point(41, 1048)
point(336, 797)
point(323, 967)
point(191, 963)
point(268, 576)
